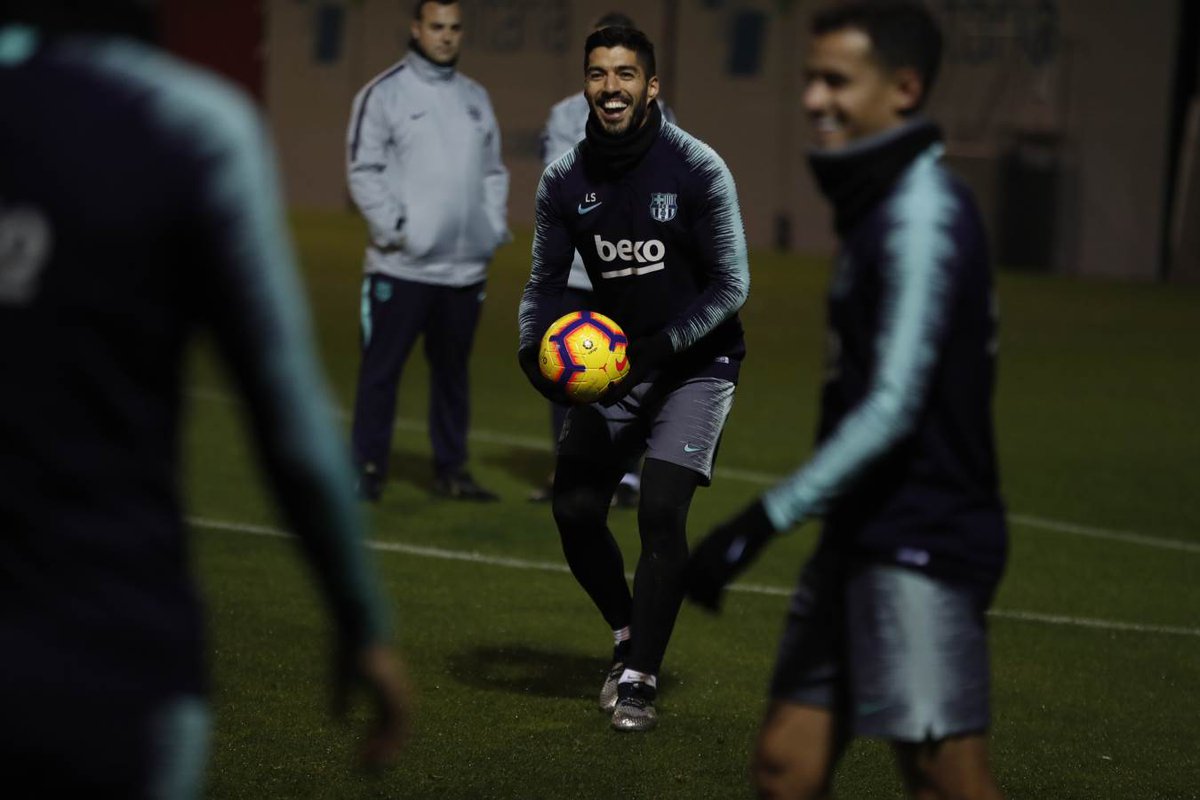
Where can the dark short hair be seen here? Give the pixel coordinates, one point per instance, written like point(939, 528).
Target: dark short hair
point(630, 39)
point(903, 34)
point(417, 6)
point(614, 19)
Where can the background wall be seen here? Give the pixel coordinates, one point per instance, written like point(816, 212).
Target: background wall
point(1056, 111)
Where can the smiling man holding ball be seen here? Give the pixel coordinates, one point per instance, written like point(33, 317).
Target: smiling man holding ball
point(654, 214)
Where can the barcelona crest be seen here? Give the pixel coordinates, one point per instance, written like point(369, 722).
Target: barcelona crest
point(663, 207)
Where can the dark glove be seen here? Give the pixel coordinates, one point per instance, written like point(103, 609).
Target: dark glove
point(645, 355)
point(725, 553)
point(528, 358)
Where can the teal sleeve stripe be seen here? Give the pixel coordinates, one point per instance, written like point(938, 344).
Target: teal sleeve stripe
point(551, 257)
point(365, 311)
point(182, 734)
point(262, 323)
point(17, 44)
point(723, 245)
point(919, 252)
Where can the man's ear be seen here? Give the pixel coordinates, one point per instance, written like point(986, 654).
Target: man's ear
point(652, 89)
point(414, 30)
point(908, 90)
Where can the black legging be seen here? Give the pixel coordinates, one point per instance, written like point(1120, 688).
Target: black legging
point(582, 492)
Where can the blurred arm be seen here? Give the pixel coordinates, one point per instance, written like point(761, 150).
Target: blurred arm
point(920, 262)
point(259, 317)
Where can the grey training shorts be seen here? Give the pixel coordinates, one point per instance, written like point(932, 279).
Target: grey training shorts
point(681, 425)
point(896, 653)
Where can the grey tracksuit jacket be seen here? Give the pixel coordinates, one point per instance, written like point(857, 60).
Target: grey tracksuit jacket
point(565, 128)
point(424, 169)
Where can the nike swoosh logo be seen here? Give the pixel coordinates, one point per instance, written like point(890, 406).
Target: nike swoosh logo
point(868, 709)
point(687, 448)
point(418, 115)
point(585, 209)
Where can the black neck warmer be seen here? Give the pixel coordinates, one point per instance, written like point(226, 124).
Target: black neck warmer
point(856, 177)
point(612, 156)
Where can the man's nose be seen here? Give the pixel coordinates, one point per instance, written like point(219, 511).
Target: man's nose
point(816, 96)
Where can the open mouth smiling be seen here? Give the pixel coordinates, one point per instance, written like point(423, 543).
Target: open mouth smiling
point(613, 108)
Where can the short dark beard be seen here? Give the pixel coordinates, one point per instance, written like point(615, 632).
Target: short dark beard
point(641, 109)
point(641, 112)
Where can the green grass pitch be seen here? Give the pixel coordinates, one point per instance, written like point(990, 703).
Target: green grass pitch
point(1096, 631)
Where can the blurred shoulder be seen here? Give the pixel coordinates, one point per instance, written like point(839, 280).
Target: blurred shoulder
point(573, 107)
point(183, 99)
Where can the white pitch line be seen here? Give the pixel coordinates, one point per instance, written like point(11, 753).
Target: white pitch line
point(1099, 624)
point(391, 547)
point(767, 479)
point(1102, 533)
point(748, 588)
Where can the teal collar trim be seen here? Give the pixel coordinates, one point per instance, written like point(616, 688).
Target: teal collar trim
point(17, 44)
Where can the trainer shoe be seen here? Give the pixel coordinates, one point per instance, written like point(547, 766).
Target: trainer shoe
point(608, 692)
point(369, 486)
point(461, 486)
point(635, 707)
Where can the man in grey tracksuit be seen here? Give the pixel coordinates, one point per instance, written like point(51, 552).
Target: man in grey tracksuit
point(564, 129)
point(424, 169)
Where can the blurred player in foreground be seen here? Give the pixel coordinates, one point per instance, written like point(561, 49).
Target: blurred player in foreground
point(886, 633)
point(138, 205)
point(655, 216)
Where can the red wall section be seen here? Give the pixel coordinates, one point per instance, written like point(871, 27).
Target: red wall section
point(224, 35)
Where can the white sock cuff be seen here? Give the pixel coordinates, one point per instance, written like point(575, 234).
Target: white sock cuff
point(631, 676)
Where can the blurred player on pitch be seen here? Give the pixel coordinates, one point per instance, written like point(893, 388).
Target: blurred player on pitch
point(138, 206)
point(654, 214)
point(886, 634)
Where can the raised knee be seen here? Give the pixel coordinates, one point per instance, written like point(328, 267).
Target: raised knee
point(930, 784)
point(781, 772)
point(578, 509)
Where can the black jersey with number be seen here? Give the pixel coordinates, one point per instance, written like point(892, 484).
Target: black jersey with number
point(663, 245)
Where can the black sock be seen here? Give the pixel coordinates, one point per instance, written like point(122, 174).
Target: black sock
point(667, 491)
point(621, 650)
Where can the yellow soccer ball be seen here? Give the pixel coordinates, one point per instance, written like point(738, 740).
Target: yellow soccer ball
point(583, 352)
